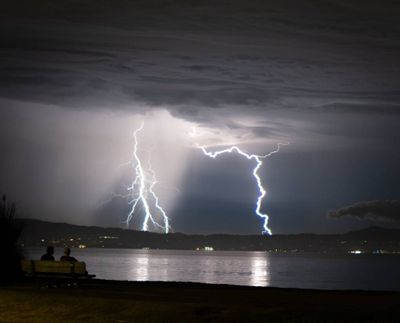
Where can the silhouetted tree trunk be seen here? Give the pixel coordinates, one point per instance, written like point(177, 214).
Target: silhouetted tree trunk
point(10, 230)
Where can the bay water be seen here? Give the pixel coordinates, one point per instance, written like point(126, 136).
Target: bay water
point(314, 271)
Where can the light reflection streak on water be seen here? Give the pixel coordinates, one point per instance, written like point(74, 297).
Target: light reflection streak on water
point(260, 275)
point(141, 268)
point(208, 270)
point(206, 267)
point(163, 270)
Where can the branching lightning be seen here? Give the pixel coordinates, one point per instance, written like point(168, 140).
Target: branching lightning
point(144, 200)
point(141, 192)
point(258, 160)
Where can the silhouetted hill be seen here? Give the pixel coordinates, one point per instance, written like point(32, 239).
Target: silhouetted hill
point(41, 233)
point(374, 233)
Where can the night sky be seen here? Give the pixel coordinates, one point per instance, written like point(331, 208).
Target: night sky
point(78, 77)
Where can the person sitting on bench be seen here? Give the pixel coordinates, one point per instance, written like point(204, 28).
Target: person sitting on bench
point(48, 256)
point(67, 257)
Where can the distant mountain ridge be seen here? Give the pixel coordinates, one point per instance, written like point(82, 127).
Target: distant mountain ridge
point(375, 232)
point(373, 239)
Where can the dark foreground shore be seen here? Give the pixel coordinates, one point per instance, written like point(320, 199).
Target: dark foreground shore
point(113, 301)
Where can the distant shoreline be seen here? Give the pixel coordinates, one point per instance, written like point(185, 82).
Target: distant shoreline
point(371, 240)
point(300, 253)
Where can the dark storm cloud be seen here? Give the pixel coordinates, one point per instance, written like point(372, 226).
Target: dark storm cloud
point(188, 55)
point(367, 108)
point(370, 210)
point(324, 75)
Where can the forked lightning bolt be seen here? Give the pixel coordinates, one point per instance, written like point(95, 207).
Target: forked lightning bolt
point(257, 158)
point(142, 193)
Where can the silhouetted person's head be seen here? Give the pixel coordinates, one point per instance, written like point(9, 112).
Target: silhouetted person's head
point(67, 257)
point(48, 256)
point(50, 250)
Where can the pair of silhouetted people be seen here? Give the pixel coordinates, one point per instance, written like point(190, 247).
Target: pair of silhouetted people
point(50, 252)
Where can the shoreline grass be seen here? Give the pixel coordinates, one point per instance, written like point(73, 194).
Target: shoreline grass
point(122, 301)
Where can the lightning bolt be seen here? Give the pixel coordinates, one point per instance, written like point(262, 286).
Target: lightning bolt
point(258, 160)
point(142, 192)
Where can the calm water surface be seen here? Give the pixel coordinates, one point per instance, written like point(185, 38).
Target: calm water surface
point(372, 272)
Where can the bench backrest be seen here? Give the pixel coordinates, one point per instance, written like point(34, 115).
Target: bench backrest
point(57, 267)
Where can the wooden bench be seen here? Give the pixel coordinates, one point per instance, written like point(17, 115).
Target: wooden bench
point(54, 270)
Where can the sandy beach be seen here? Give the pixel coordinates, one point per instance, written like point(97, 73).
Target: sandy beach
point(118, 301)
